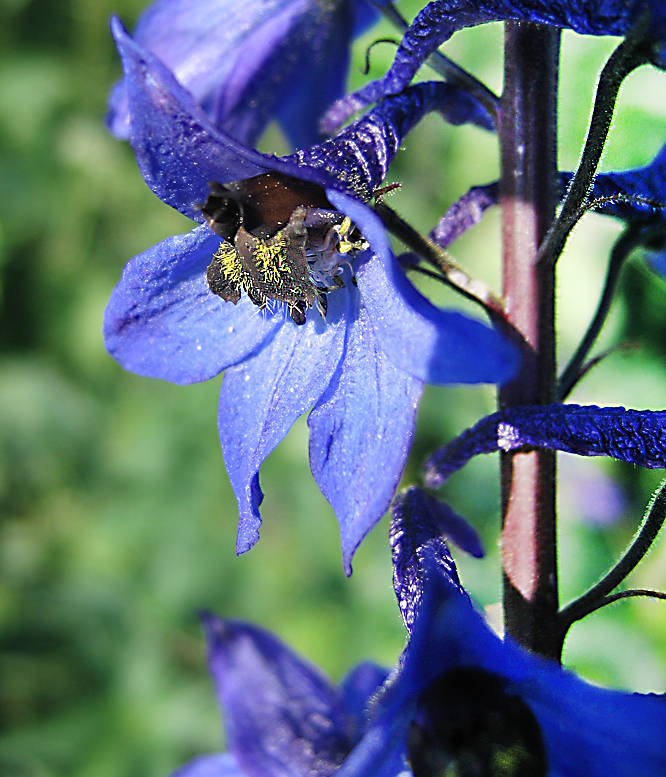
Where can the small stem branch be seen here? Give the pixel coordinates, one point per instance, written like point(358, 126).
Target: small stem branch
point(630, 594)
point(629, 240)
point(529, 192)
point(448, 69)
point(598, 595)
point(450, 271)
point(633, 52)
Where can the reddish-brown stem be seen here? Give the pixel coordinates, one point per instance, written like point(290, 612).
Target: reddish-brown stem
point(528, 128)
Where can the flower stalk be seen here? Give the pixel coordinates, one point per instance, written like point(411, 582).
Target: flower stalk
point(529, 186)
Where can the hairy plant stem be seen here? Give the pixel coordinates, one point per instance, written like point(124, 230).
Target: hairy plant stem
point(600, 594)
point(529, 188)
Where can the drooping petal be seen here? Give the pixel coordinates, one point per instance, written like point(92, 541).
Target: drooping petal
point(465, 212)
point(437, 22)
point(359, 156)
point(163, 321)
point(262, 397)
point(218, 765)
point(282, 715)
point(635, 436)
point(247, 62)
point(415, 524)
point(361, 431)
point(357, 688)
point(178, 150)
point(437, 346)
point(585, 729)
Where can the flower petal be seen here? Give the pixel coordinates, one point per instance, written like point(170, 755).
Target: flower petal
point(464, 213)
point(163, 321)
point(586, 729)
point(358, 687)
point(178, 149)
point(245, 63)
point(282, 715)
point(437, 22)
point(437, 346)
point(413, 528)
point(262, 397)
point(635, 436)
point(361, 431)
point(218, 765)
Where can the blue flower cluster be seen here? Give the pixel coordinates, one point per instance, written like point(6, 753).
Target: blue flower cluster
point(289, 285)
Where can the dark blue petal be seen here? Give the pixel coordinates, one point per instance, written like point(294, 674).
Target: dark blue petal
point(359, 156)
point(361, 431)
point(163, 321)
point(586, 730)
point(282, 715)
point(437, 22)
point(218, 765)
point(178, 150)
point(464, 214)
point(415, 525)
point(437, 346)
point(357, 689)
point(247, 62)
point(262, 397)
point(635, 436)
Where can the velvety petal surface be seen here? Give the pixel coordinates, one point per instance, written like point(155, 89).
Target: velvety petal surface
point(437, 346)
point(586, 730)
point(163, 321)
point(282, 715)
point(262, 397)
point(437, 22)
point(415, 524)
point(357, 688)
point(361, 430)
point(635, 436)
point(247, 62)
point(359, 155)
point(218, 765)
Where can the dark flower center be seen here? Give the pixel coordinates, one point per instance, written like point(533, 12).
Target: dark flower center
point(281, 240)
point(469, 725)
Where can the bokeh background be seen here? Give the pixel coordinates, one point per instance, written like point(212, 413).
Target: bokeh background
point(117, 522)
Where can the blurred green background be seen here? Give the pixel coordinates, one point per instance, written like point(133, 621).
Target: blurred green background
point(117, 522)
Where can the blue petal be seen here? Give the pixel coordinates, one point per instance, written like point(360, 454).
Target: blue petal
point(218, 765)
point(635, 436)
point(465, 212)
point(357, 689)
point(359, 156)
point(178, 150)
point(361, 431)
point(262, 397)
point(163, 321)
point(437, 22)
point(282, 715)
point(587, 730)
point(415, 525)
point(246, 62)
point(437, 346)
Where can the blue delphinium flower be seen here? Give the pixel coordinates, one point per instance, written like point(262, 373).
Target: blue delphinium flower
point(248, 62)
point(361, 368)
point(460, 698)
point(440, 19)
